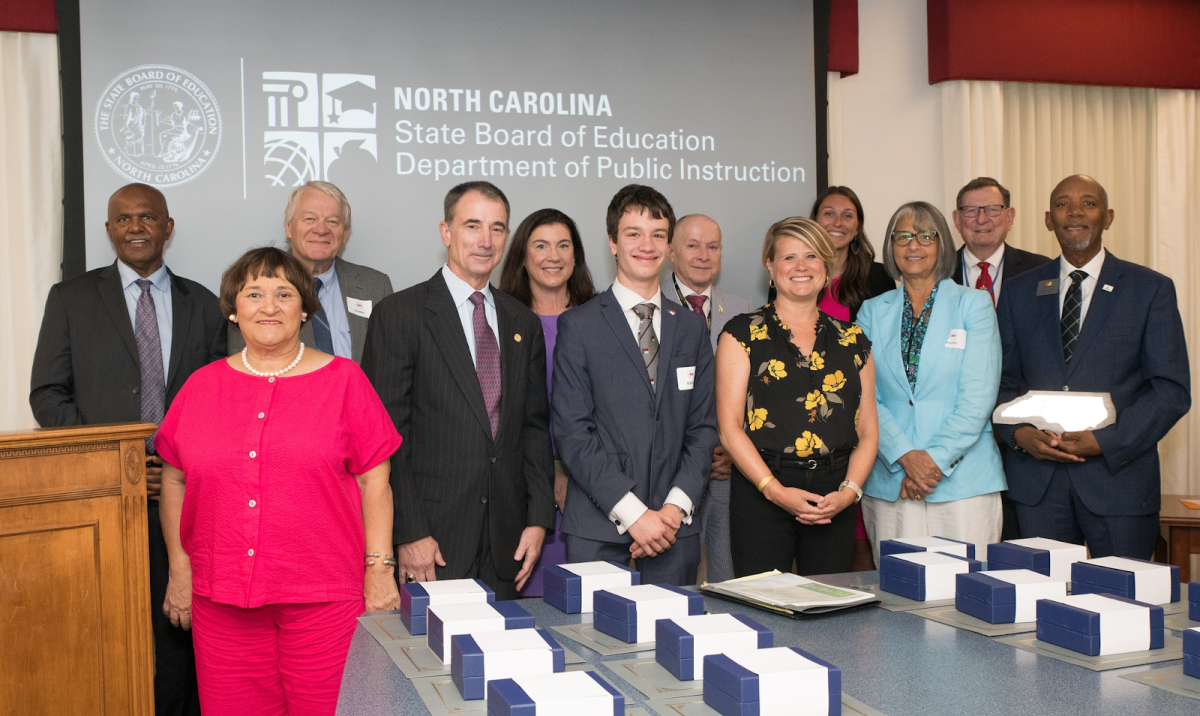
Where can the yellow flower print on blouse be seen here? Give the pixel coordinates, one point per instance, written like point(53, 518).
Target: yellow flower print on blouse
point(807, 443)
point(776, 369)
point(856, 418)
point(814, 399)
point(848, 336)
point(758, 333)
point(815, 361)
point(834, 382)
point(756, 418)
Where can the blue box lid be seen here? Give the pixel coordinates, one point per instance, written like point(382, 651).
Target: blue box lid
point(741, 684)
point(1090, 578)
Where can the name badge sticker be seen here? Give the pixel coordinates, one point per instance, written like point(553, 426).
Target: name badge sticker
point(686, 377)
point(358, 306)
point(957, 339)
point(1048, 287)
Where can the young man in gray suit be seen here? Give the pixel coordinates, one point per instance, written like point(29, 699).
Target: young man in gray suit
point(695, 253)
point(461, 368)
point(633, 406)
point(117, 343)
point(317, 225)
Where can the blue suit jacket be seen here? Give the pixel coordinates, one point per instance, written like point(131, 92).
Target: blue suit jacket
point(614, 432)
point(949, 416)
point(1131, 346)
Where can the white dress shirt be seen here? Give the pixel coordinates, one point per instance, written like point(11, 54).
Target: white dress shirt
point(629, 509)
point(330, 298)
point(160, 293)
point(1087, 286)
point(995, 261)
point(460, 292)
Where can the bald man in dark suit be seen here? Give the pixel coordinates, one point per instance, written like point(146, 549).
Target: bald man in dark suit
point(116, 345)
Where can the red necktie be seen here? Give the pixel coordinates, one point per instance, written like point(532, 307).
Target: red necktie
point(984, 282)
point(696, 301)
point(487, 362)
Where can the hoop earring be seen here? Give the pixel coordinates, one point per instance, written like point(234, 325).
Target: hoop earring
point(854, 246)
point(772, 283)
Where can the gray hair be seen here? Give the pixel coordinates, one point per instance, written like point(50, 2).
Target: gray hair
point(321, 186)
point(925, 217)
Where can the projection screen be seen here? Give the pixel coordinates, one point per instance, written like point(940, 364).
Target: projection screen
point(227, 106)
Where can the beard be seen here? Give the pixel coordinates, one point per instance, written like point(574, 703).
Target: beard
point(1076, 246)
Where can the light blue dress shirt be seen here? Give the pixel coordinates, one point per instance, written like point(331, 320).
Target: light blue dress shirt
point(330, 297)
point(160, 292)
point(460, 292)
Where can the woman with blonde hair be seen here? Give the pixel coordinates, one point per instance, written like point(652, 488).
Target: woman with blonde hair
point(796, 411)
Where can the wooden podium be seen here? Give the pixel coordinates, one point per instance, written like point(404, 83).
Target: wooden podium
point(74, 572)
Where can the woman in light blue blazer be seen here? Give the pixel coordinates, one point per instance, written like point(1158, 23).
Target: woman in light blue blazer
point(937, 345)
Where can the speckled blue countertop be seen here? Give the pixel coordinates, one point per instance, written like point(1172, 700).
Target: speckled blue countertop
point(899, 663)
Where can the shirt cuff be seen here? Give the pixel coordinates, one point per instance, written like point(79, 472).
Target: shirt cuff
point(680, 499)
point(627, 511)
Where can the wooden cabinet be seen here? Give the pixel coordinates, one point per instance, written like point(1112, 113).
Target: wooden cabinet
point(74, 577)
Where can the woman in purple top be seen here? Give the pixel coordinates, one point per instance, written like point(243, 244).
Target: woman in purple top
point(545, 270)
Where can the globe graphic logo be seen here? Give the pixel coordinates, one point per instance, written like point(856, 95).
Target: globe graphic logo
point(289, 163)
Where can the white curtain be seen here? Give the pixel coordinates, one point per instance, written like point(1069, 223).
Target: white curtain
point(1176, 228)
point(1141, 144)
point(31, 194)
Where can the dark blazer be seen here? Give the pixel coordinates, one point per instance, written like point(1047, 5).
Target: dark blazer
point(614, 432)
point(1131, 346)
point(449, 477)
point(1016, 262)
point(878, 283)
point(355, 282)
point(86, 369)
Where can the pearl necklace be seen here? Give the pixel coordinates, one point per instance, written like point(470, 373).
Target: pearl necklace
point(262, 374)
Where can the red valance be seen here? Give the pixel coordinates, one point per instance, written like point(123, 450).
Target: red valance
point(1122, 43)
point(843, 37)
point(28, 16)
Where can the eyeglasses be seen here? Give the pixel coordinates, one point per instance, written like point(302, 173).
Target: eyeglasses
point(904, 238)
point(992, 210)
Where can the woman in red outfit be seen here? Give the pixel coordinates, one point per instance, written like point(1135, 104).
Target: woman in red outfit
point(275, 487)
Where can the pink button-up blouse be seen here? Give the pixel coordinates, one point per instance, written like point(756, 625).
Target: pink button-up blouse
point(272, 511)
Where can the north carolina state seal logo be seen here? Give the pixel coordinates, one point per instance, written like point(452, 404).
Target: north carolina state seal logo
point(158, 125)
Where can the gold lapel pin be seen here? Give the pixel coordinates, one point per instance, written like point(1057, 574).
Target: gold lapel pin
point(720, 309)
point(517, 337)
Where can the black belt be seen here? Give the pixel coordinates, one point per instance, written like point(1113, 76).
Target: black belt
point(835, 460)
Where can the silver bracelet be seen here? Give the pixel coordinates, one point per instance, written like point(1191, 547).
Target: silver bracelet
point(857, 490)
point(369, 560)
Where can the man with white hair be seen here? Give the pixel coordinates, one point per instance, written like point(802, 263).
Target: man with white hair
point(317, 225)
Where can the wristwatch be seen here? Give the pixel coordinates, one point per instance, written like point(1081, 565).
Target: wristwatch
point(858, 493)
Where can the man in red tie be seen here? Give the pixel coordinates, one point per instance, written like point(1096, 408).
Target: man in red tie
point(983, 217)
point(695, 253)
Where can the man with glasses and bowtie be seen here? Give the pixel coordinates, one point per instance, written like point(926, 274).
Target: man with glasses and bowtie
point(316, 222)
point(117, 343)
point(1091, 322)
point(695, 254)
point(983, 219)
point(634, 417)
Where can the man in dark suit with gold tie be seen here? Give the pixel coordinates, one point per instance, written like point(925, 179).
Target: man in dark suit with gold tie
point(461, 368)
point(117, 343)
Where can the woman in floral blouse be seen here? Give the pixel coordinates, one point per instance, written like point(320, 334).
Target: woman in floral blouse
point(796, 411)
point(938, 471)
